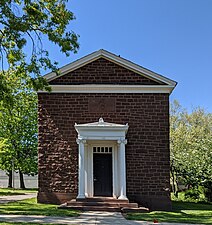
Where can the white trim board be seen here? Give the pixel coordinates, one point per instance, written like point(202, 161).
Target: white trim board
point(115, 59)
point(101, 88)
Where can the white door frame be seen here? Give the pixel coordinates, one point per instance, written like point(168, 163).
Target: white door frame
point(89, 188)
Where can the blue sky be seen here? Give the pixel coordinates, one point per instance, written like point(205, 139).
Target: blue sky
point(170, 37)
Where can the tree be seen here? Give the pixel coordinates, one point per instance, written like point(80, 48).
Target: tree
point(24, 23)
point(177, 142)
point(18, 129)
point(191, 147)
point(6, 159)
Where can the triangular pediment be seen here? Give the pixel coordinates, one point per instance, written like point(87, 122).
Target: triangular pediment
point(101, 130)
point(100, 123)
point(142, 75)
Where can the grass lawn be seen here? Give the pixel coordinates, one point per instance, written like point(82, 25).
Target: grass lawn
point(11, 191)
point(183, 212)
point(31, 207)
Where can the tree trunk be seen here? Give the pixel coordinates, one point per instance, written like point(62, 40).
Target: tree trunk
point(22, 185)
point(177, 186)
point(173, 181)
point(208, 191)
point(10, 181)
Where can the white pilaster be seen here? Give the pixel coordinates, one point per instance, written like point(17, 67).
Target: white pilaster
point(86, 169)
point(115, 172)
point(81, 175)
point(122, 168)
point(90, 172)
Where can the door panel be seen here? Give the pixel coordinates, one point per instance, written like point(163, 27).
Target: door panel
point(102, 169)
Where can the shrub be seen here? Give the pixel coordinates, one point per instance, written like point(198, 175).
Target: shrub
point(192, 194)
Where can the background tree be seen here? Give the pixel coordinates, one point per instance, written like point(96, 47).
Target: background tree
point(5, 159)
point(18, 126)
point(191, 148)
point(23, 24)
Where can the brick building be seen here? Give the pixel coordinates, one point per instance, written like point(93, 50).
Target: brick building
point(104, 131)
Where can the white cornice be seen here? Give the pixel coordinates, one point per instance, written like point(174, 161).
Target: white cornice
point(101, 88)
point(101, 131)
point(113, 58)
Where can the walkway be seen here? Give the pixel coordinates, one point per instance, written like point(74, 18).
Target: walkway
point(92, 218)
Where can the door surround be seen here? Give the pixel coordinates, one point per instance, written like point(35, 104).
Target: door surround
point(101, 134)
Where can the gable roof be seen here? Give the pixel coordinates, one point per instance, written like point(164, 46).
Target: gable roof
point(115, 59)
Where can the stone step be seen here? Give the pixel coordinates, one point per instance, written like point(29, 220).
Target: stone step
point(103, 204)
point(134, 210)
point(102, 199)
point(108, 204)
point(93, 208)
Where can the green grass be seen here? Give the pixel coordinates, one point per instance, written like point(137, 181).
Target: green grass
point(183, 212)
point(11, 191)
point(31, 207)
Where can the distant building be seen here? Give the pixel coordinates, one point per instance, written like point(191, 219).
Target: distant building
point(30, 181)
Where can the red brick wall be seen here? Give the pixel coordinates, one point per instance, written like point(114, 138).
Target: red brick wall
point(147, 150)
point(102, 71)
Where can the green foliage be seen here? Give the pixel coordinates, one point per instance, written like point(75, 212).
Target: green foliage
point(3, 145)
point(190, 195)
point(18, 126)
point(193, 194)
point(191, 147)
point(23, 25)
point(31, 207)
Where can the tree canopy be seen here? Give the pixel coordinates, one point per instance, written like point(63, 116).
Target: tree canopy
point(191, 147)
point(18, 128)
point(23, 26)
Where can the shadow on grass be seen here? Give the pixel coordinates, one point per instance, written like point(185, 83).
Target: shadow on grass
point(31, 207)
point(181, 205)
point(183, 212)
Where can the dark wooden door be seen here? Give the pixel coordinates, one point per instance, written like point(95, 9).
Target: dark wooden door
point(102, 173)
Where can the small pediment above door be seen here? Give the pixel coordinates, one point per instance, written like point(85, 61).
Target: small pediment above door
point(101, 123)
point(101, 130)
